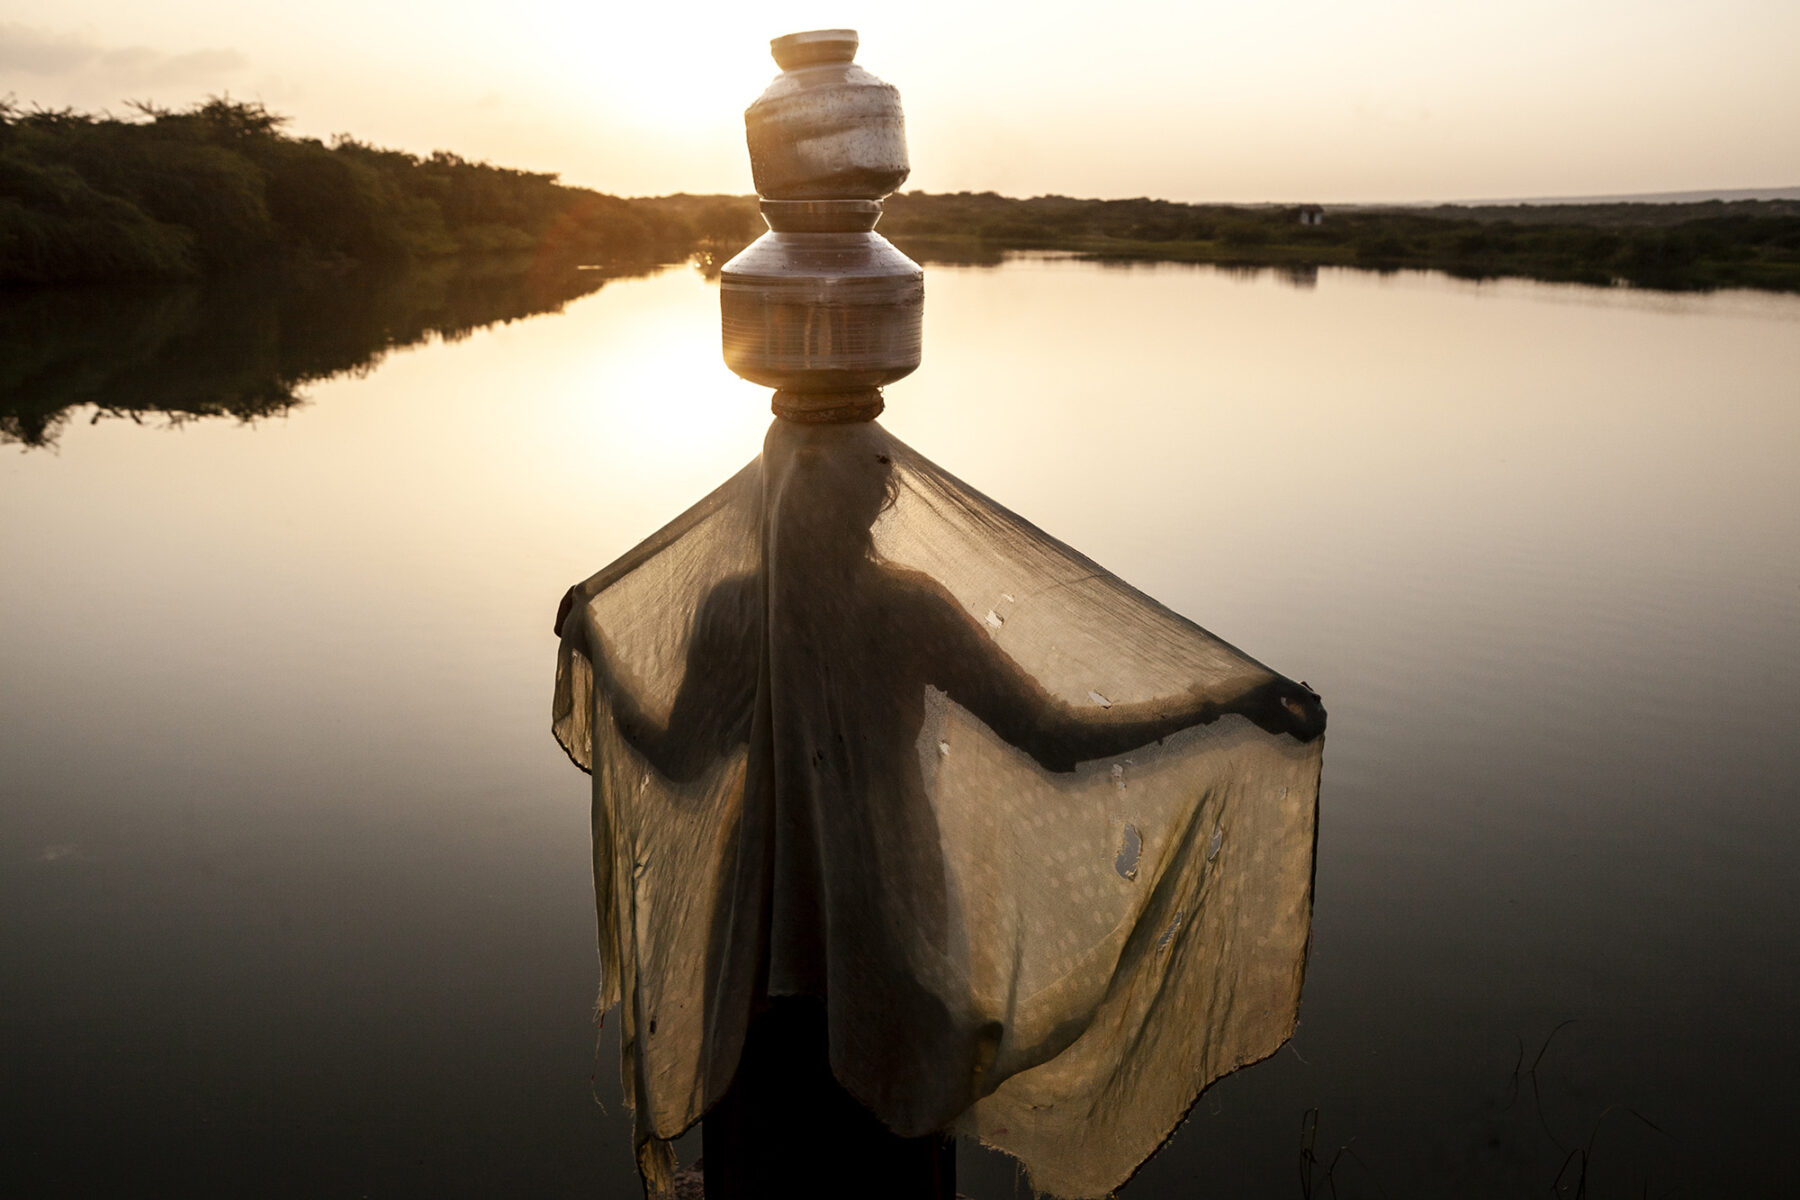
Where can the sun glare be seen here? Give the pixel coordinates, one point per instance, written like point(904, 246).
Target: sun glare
point(656, 381)
point(649, 73)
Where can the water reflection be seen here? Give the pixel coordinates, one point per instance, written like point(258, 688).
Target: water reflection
point(286, 861)
point(241, 349)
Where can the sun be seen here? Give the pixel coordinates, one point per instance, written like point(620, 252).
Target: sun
point(680, 67)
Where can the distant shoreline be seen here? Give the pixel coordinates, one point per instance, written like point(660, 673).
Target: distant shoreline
point(1690, 196)
point(218, 190)
point(1699, 246)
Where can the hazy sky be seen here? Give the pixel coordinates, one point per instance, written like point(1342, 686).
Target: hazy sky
point(1282, 100)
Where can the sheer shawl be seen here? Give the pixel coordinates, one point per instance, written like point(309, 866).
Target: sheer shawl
point(1043, 847)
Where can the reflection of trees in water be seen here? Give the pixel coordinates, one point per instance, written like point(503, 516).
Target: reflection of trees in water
point(241, 349)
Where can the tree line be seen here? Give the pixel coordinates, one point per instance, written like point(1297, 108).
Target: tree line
point(1745, 243)
point(219, 188)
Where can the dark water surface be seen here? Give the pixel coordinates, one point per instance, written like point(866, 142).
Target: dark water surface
point(294, 891)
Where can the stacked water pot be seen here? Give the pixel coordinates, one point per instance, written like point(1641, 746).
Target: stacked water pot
point(822, 308)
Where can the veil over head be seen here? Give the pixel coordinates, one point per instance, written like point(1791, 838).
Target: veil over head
point(1041, 846)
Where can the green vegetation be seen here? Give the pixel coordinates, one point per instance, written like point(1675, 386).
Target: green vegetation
point(1743, 243)
point(219, 188)
point(1717, 244)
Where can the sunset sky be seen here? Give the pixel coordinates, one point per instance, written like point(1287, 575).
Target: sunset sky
point(1358, 100)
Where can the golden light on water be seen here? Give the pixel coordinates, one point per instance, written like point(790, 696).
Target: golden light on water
point(278, 765)
point(662, 387)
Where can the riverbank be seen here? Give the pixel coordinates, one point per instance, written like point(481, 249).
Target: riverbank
point(219, 189)
point(1678, 247)
point(1754, 244)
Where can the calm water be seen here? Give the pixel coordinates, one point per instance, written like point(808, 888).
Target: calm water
point(294, 890)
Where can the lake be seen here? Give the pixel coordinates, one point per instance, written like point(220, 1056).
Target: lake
point(294, 883)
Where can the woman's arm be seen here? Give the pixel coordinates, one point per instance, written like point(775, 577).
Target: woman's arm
point(712, 708)
point(982, 678)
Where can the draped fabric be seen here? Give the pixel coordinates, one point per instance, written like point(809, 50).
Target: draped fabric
point(1041, 846)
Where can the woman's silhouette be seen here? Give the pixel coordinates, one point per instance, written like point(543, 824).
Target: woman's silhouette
point(820, 666)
